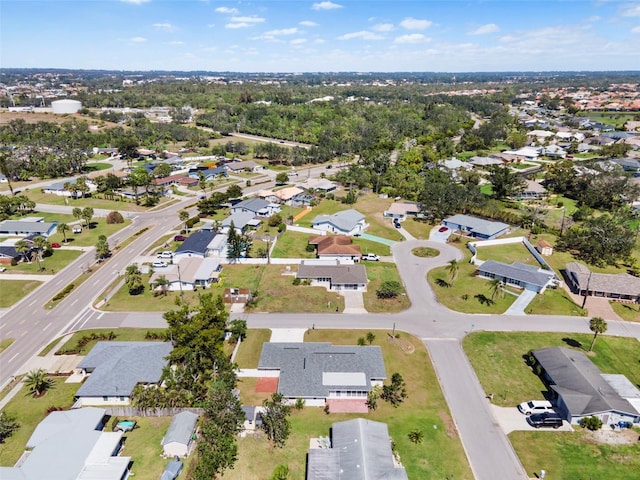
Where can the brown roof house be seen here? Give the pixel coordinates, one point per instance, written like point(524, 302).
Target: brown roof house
point(335, 276)
point(335, 246)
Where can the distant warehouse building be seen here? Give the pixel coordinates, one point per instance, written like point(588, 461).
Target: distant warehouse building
point(66, 106)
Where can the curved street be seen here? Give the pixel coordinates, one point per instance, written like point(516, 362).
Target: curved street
point(488, 449)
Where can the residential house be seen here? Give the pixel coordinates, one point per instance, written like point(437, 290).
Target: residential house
point(454, 166)
point(360, 449)
point(619, 286)
point(188, 274)
point(334, 277)
point(319, 184)
point(340, 376)
point(71, 445)
point(346, 222)
point(196, 245)
point(284, 195)
point(257, 206)
point(180, 437)
point(518, 274)
point(246, 166)
point(554, 151)
point(476, 227)
point(28, 226)
point(241, 222)
point(209, 173)
point(401, 210)
point(8, 254)
point(532, 190)
point(115, 368)
point(482, 162)
point(580, 389)
point(335, 246)
point(301, 200)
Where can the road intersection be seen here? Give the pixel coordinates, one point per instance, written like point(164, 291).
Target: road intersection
point(488, 449)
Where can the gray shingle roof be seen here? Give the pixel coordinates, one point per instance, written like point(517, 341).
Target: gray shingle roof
point(239, 219)
point(181, 428)
point(196, 243)
point(21, 227)
point(360, 450)
point(253, 205)
point(117, 367)
point(477, 225)
point(302, 366)
point(346, 220)
point(619, 283)
point(580, 382)
point(339, 274)
point(518, 271)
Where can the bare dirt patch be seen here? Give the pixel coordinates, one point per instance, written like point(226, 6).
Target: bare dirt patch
point(267, 385)
point(403, 344)
point(449, 426)
point(626, 436)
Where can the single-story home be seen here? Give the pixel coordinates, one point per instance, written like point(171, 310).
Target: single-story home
point(57, 188)
point(71, 444)
point(196, 245)
point(246, 166)
point(533, 190)
point(346, 222)
point(580, 389)
point(189, 274)
point(619, 286)
point(180, 436)
point(257, 206)
point(518, 274)
point(321, 373)
point(401, 210)
point(8, 253)
point(482, 162)
point(241, 221)
point(360, 449)
point(28, 226)
point(209, 173)
point(284, 195)
point(335, 246)
point(115, 368)
point(334, 277)
point(476, 227)
point(320, 184)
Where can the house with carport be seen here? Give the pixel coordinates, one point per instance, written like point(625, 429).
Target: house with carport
point(334, 276)
point(579, 388)
point(476, 227)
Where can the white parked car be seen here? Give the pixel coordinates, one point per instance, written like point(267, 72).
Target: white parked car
point(165, 255)
point(535, 406)
point(159, 264)
point(372, 257)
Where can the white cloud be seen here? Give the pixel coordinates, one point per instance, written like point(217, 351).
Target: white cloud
point(325, 6)
point(411, 38)
point(594, 18)
point(137, 39)
point(135, 2)
point(284, 31)
point(383, 27)
point(484, 29)
point(298, 41)
point(166, 26)
point(308, 23)
point(244, 22)
point(363, 34)
point(227, 10)
point(635, 29)
point(319, 41)
point(631, 10)
point(176, 42)
point(411, 23)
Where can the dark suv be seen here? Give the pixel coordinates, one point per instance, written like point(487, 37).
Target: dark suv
point(545, 419)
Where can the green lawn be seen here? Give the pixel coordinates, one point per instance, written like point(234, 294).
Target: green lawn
point(122, 335)
point(89, 236)
point(6, 343)
point(29, 412)
point(498, 360)
point(95, 201)
point(377, 273)
point(251, 348)
point(292, 245)
point(418, 228)
point(59, 259)
point(512, 252)
point(554, 301)
point(14, 290)
point(46, 216)
point(439, 456)
point(628, 311)
point(368, 246)
point(425, 252)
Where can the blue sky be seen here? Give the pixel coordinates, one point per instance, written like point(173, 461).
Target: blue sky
point(321, 36)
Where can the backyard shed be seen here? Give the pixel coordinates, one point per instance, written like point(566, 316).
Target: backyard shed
point(180, 436)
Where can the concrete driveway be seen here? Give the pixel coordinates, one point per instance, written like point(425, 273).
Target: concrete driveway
point(441, 237)
point(511, 420)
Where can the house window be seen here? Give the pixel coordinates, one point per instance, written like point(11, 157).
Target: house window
point(122, 399)
point(105, 399)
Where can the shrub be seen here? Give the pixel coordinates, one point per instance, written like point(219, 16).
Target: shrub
point(310, 248)
point(281, 228)
point(114, 217)
point(274, 220)
point(389, 289)
point(591, 423)
point(192, 222)
point(64, 292)
point(297, 281)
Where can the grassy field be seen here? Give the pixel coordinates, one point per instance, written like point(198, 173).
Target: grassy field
point(122, 335)
point(6, 343)
point(425, 252)
point(276, 292)
point(613, 118)
point(89, 236)
point(377, 273)
point(418, 228)
point(513, 252)
point(439, 456)
point(46, 216)
point(251, 347)
point(498, 361)
point(628, 312)
point(95, 201)
point(52, 264)
point(554, 301)
point(14, 290)
point(29, 412)
point(368, 246)
point(292, 245)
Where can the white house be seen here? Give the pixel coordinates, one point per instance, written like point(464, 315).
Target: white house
point(347, 222)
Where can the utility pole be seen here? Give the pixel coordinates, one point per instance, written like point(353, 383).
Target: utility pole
point(587, 291)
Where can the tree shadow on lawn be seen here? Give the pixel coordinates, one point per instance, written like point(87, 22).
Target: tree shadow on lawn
point(572, 342)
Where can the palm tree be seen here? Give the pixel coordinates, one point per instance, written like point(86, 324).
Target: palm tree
point(163, 283)
point(133, 279)
point(77, 213)
point(495, 286)
point(453, 267)
point(597, 325)
point(22, 247)
point(370, 337)
point(87, 215)
point(38, 382)
point(183, 215)
point(63, 228)
point(416, 436)
point(40, 244)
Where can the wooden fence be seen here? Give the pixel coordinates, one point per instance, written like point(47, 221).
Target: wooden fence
point(149, 412)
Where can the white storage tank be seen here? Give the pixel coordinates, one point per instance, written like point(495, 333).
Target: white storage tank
point(66, 106)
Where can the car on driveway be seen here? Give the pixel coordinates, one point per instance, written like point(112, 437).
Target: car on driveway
point(396, 223)
point(545, 419)
point(372, 257)
point(443, 229)
point(55, 245)
point(159, 264)
point(180, 238)
point(165, 255)
point(535, 406)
